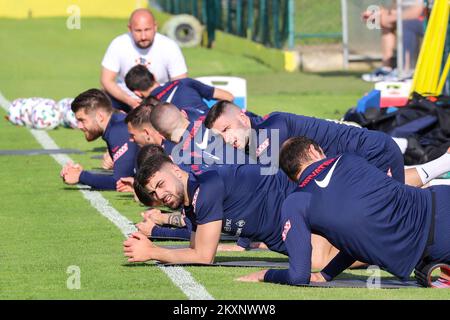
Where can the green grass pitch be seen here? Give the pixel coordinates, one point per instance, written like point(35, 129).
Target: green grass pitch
point(45, 226)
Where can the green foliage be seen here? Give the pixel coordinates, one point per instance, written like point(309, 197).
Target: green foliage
point(315, 17)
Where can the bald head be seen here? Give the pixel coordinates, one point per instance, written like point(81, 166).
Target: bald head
point(142, 26)
point(169, 121)
point(139, 14)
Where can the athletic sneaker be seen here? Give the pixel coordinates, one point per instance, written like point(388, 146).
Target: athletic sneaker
point(381, 74)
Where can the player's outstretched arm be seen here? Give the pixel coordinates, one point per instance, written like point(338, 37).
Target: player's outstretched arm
point(220, 94)
point(125, 184)
point(178, 77)
point(340, 263)
point(108, 82)
point(297, 238)
point(138, 248)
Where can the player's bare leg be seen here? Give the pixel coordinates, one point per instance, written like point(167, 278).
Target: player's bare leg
point(323, 252)
point(424, 173)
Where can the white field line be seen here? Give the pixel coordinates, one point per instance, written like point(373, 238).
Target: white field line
point(180, 277)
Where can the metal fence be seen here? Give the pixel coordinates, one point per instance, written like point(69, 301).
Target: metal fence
point(269, 22)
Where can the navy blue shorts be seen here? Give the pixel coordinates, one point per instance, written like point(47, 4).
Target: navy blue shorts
point(439, 251)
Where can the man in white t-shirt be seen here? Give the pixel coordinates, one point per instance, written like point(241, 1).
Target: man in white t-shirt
point(141, 45)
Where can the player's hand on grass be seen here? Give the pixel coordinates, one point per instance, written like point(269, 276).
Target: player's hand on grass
point(317, 277)
point(71, 173)
point(146, 227)
point(137, 248)
point(253, 277)
point(65, 168)
point(63, 172)
point(125, 184)
point(107, 163)
point(156, 216)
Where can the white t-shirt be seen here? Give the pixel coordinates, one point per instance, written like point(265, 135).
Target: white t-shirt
point(164, 58)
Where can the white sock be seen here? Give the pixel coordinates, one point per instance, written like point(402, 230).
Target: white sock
point(402, 144)
point(433, 169)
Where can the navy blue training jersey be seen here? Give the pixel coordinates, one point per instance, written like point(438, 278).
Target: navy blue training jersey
point(201, 146)
point(185, 93)
point(192, 114)
point(368, 216)
point(247, 203)
point(123, 152)
point(334, 138)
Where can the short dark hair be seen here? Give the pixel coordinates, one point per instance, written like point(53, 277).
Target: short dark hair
point(142, 194)
point(215, 112)
point(150, 101)
point(139, 116)
point(92, 100)
point(147, 152)
point(151, 165)
point(139, 78)
point(293, 153)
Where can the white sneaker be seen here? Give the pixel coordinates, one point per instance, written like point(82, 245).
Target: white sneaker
point(381, 74)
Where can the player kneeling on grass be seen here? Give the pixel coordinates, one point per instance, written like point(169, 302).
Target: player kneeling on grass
point(235, 199)
point(96, 118)
point(367, 215)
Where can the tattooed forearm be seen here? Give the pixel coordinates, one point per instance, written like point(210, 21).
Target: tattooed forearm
point(176, 220)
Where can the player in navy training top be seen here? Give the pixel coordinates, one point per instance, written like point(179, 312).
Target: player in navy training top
point(364, 213)
point(262, 138)
point(96, 118)
point(269, 133)
point(231, 198)
point(143, 133)
point(183, 93)
point(195, 144)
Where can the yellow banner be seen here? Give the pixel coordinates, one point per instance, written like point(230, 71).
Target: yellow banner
point(64, 8)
